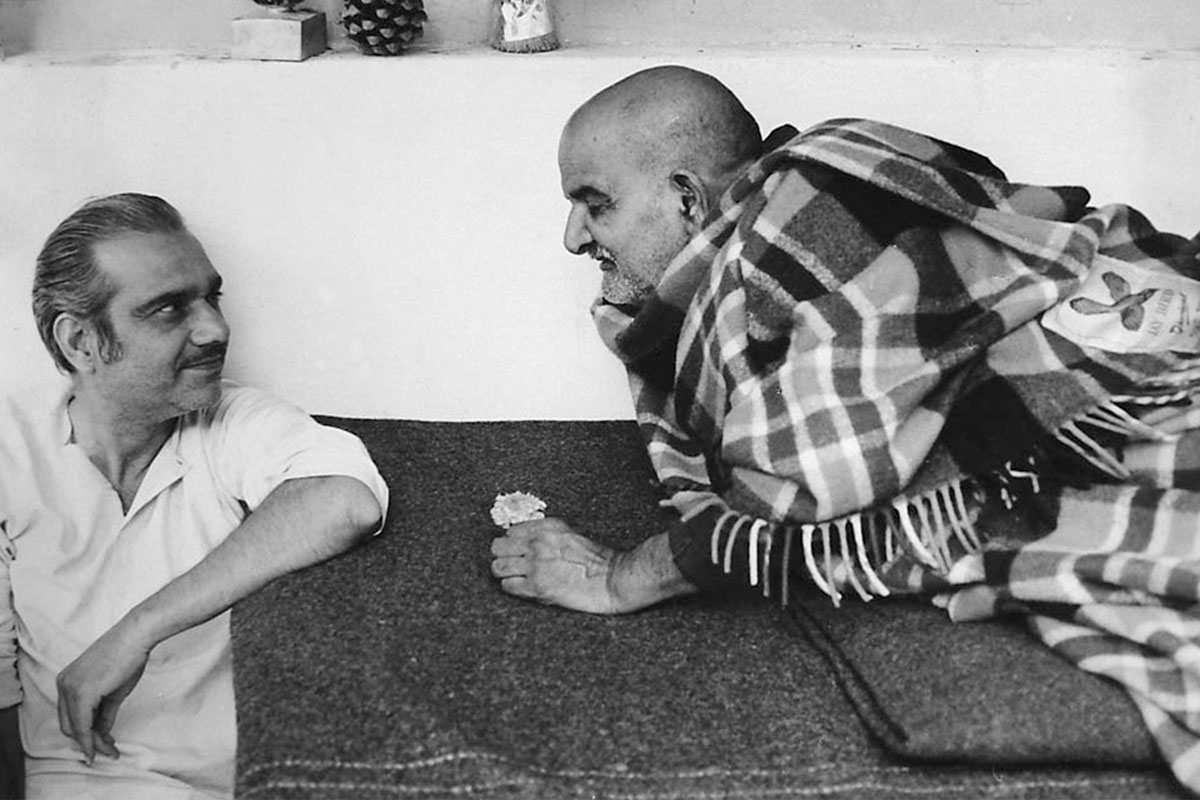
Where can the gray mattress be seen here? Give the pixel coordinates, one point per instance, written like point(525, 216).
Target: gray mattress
point(401, 670)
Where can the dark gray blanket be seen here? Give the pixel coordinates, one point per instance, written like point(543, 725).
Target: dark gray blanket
point(400, 669)
point(980, 693)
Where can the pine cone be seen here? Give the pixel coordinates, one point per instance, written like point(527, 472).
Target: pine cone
point(383, 27)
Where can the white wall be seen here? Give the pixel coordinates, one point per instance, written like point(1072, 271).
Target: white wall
point(389, 229)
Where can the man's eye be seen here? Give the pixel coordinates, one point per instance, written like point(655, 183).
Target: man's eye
point(214, 298)
point(598, 209)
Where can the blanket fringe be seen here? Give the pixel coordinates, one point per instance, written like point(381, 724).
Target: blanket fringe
point(848, 553)
point(1113, 417)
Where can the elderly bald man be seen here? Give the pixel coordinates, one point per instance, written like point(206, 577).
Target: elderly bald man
point(858, 354)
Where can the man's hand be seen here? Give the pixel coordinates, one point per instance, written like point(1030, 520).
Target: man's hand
point(545, 560)
point(93, 686)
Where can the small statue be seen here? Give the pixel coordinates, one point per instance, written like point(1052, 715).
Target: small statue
point(524, 26)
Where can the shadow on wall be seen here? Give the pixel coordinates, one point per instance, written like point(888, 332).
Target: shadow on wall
point(14, 30)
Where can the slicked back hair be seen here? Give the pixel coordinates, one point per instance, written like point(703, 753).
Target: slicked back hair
point(68, 280)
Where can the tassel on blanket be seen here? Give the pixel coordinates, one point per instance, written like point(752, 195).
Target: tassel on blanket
point(1113, 418)
point(1073, 436)
point(848, 552)
point(1016, 479)
point(1172, 386)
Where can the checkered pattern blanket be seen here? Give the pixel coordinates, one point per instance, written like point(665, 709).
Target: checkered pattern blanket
point(1113, 588)
point(938, 380)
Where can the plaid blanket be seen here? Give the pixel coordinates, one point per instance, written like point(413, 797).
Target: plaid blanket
point(884, 361)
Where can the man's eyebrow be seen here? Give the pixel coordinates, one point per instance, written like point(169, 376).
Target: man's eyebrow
point(584, 193)
point(178, 296)
point(166, 298)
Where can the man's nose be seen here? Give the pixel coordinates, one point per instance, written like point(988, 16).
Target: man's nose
point(210, 325)
point(576, 237)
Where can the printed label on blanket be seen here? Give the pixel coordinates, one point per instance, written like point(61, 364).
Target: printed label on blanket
point(1124, 308)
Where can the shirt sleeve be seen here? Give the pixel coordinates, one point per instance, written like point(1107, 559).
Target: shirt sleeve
point(258, 442)
point(10, 686)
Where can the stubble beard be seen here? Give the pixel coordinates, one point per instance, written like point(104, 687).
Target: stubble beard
point(617, 286)
point(620, 289)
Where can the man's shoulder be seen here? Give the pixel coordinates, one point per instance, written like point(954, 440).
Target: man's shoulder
point(35, 394)
point(238, 405)
point(32, 407)
point(33, 427)
point(235, 394)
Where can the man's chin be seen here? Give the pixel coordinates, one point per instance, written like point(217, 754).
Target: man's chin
point(621, 291)
point(202, 394)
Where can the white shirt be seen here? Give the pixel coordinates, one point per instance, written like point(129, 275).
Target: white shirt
point(73, 563)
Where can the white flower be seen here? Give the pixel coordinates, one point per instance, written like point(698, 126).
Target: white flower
point(515, 507)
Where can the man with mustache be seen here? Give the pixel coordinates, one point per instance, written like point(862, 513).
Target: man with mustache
point(138, 502)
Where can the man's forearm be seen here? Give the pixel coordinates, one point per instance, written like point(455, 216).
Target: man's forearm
point(302, 522)
point(12, 757)
point(646, 575)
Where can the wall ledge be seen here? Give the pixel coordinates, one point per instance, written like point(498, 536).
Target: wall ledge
point(1157, 25)
point(343, 54)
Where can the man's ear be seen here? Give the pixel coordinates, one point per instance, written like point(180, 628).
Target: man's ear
point(693, 199)
point(77, 341)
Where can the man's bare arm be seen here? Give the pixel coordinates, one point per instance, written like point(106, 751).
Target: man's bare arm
point(545, 560)
point(302, 522)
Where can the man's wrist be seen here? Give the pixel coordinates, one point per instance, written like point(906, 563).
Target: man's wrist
point(140, 629)
point(646, 575)
point(622, 587)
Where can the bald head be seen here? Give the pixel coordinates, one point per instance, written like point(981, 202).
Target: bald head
point(643, 163)
point(673, 118)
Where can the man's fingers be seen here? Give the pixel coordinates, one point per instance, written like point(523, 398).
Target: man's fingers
point(75, 721)
point(533, 527)
point(509, 567)
point(106, 717)
point(89, 724)
point(105, 744)
point(517, 585)
point(509, 546)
